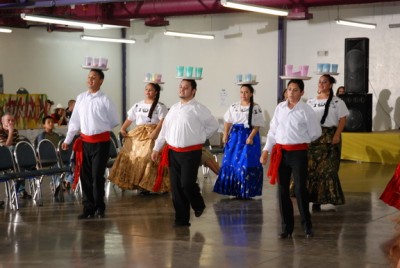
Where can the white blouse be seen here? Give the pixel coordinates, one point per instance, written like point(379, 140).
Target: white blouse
point(139, 112)
point(337, 110)
point(238, 114)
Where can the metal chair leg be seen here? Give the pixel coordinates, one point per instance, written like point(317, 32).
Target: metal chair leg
point(13, 198)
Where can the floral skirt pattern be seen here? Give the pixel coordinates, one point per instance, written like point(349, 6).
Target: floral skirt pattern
point(133, 168)
point(323, 165)
point(241, 173)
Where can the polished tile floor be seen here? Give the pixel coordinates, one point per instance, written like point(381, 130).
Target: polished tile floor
point(138, 231)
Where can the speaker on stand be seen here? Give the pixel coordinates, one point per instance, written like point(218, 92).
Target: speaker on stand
point(357, 99)
point(356, 65)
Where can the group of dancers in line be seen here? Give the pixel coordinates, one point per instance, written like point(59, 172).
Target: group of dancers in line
point(303, 140)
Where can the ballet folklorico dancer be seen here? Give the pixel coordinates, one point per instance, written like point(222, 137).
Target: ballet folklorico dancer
point(186, 128)
point(133, 168)
point(324, 153)
point(241, 174)
point(94, 116)
point(293, 126)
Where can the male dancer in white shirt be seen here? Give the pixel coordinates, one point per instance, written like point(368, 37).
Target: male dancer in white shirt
point(293, 126)
point(95, 116)
point(186, 127)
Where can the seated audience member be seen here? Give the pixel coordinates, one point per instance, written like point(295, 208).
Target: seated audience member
point(208, 160)
point(70, 109)
point(48, 133)
point(47, 107)
point(59, 115)
point(340, 91)
point(9, 137)
point(54, 137)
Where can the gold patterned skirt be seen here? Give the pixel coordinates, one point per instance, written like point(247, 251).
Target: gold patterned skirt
point(133, 168)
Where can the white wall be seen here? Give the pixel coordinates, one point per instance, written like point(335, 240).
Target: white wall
point(237, 48)
point(50, 62)
point(306, 38)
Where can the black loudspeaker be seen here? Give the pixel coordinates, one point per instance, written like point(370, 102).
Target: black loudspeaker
point(360, 108)
point(356, 59)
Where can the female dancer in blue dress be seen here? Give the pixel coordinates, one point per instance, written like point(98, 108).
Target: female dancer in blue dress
point(241, 174)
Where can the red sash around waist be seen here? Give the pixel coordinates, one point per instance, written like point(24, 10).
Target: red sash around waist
point(276, 157)
point(78, 149)
point(102, 137)
point(164, 163)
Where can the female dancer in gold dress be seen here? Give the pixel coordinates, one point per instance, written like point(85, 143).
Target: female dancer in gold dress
point(133, 168)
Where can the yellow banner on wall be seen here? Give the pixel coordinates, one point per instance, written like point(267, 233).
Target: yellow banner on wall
point(28, 109)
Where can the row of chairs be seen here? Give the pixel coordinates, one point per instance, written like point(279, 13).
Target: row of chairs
point(23, 162)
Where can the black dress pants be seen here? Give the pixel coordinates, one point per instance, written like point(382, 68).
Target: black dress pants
point(183, 169)
point(293, 163)
point(95, 157)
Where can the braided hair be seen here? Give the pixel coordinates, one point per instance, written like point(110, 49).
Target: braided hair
point(157, 88)
point(250, 87)
point(328, 102)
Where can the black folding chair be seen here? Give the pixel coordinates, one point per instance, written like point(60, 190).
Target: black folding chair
point(65, 157)
point(115, 139)
point(113, 153)
point(7, 169)
point(48, 159)
point(26, 163)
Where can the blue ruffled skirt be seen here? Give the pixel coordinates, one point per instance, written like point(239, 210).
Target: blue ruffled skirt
point(241, 174)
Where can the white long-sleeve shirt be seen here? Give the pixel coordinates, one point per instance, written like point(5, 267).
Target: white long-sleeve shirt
point(292, 126)
point(94, 113)
point(186, 125)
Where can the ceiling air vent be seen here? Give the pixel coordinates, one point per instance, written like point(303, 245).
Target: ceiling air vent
point(156, 21)
point(299, 13)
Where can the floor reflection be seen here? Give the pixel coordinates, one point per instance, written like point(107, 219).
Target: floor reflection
point(239, 220)
point(138, 230)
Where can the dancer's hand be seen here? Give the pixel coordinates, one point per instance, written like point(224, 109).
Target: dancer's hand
point(155, 156)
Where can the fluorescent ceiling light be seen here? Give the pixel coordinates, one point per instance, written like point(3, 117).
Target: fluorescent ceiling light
point(5, 30)
point(356, 24)
point(73, 23)
point(254, 8)
point(106, 39)
point(190, 35)
point(394, 25)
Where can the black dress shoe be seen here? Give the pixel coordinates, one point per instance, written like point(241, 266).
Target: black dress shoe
point(198, 213)
point(86, 215)
point(284, 235)
point(309, 233)
point(181, 224)
point(316, 207)
point(25, 195)
point(100, 214)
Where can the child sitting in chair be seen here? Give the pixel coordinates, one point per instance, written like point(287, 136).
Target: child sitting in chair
point(54, 137)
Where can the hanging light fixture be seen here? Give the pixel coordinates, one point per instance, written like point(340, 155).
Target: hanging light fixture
point(5, 30)
point(254, 8)
point(394, 25)
point(189, 35)
point(356, 24)
point(106, 39)
point(73, 23)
